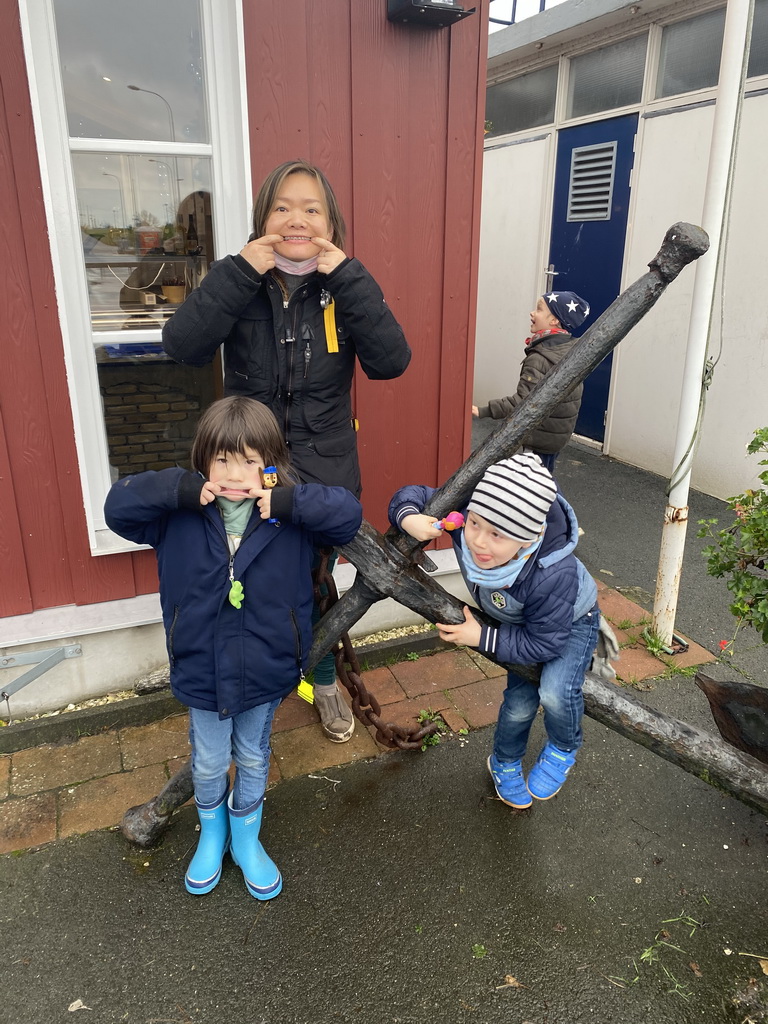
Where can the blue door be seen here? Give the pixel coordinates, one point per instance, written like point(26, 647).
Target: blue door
point(589, 225)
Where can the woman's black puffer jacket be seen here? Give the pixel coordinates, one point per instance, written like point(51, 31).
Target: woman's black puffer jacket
point(281, 352)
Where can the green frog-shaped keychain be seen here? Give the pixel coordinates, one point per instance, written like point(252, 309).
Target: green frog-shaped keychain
point(236, 593)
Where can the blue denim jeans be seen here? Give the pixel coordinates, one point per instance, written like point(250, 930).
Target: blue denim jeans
point(559, 692)
point(216, 742)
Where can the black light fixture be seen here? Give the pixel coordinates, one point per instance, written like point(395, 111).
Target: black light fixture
point(437, 13)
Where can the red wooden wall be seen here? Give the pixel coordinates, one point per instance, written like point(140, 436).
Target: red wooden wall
point(393, 113)
point(44, 554)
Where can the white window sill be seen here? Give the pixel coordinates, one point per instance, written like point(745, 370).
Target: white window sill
point(104, 542)
point(70, 621)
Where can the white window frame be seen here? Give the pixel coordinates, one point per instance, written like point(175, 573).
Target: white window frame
point(228, 151)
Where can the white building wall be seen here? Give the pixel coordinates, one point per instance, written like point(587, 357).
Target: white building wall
point(669, 179)
point(516, 184)
point(668, 185)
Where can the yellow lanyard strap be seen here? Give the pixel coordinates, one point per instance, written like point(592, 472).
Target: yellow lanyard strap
point(329, 319)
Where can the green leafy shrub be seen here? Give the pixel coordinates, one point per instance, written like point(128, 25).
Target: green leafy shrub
point(740, 551)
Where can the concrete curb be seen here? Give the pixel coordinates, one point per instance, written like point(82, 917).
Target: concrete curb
point(152, 707)
point(71, 725)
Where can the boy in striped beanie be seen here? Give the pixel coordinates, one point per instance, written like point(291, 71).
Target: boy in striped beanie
point(516, 555)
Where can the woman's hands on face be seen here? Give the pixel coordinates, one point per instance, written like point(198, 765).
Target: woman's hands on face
point(260, 253)
point(329, 256)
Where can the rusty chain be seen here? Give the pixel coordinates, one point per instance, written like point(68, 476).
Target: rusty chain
point(364, 704)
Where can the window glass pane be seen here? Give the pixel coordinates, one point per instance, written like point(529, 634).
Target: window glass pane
point(132, 71)
point(147, 234)
point(607, 78)
point(690, 54)
point(151, 406)
point(521, 103)
point(758, 53)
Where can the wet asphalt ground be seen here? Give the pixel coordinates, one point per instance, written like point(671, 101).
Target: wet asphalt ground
point(413, 895)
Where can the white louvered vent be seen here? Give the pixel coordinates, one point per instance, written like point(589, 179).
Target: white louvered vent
point(590, 190)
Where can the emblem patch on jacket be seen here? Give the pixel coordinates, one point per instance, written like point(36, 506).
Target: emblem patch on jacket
point(499, 601)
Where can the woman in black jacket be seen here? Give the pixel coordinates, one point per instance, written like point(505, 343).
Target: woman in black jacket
point(292, 312)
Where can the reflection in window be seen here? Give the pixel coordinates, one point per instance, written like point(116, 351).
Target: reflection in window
point(758, 53)
point(523, 102)
point(147, 241)
point(132, 71)
point(689, 58)
point(151, 406)
point(607, 78)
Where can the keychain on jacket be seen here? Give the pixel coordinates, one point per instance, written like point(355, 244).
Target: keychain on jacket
point(329, 321)
point(268, 477)
point(305, 689)
point(236, 592)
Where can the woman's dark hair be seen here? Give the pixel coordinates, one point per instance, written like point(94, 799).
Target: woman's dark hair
point(270, 189)
point(234, 424)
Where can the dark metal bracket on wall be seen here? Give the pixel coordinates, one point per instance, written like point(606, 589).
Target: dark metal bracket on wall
point(433, 13)
point(42, 660)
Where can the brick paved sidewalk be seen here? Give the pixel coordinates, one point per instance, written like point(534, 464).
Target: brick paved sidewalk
point(53, 791)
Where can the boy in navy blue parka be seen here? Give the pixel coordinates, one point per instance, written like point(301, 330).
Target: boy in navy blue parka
point(515, 552)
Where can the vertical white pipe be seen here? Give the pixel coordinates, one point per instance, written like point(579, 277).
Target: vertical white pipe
point(730, 93)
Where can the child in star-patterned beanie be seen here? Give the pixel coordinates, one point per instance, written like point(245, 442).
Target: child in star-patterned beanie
point(553, 321)
point(568, 308)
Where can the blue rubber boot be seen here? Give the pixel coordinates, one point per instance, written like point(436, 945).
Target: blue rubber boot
point(550, 772)
point(204, 869)
point(262, 878)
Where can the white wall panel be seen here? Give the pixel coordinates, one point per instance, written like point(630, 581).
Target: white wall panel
point(669, 182)
point(516, 184)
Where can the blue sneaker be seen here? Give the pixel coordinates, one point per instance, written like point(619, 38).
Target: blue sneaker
point(509, 782)
point(550, 772)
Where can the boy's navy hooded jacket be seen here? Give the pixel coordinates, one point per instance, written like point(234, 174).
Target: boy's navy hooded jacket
point(223, 658)
point(534, 616)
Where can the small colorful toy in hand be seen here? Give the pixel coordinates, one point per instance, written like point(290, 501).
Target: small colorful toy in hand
point(268, 481)
point(453, 521)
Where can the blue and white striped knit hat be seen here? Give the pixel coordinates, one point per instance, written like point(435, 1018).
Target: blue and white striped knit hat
point(515, 495)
